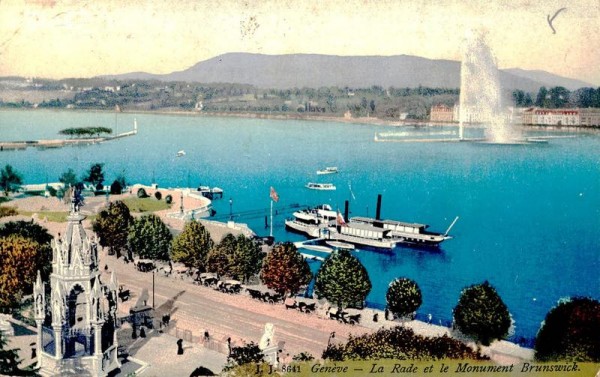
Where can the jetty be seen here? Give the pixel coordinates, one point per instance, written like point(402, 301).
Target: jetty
point(59, 143)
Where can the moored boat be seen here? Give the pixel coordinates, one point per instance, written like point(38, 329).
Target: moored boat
point(385, 234)
point(311, 221)
point(181, 153)
point(320, 186)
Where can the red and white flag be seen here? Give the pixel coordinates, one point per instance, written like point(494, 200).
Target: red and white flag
point(340, 219)
point(274, 196)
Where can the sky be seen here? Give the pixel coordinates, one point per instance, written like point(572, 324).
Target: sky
point(84, 38)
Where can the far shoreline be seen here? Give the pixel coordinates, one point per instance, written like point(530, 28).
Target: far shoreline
point(367, 121)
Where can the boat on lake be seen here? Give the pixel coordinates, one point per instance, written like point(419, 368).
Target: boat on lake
point(385, 234)
point(320, 186)
point(340, 245)
point(181, 153)
point(328, 170)
point(310, 221)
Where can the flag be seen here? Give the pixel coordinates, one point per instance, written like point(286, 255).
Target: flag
point(340, 219)
point(273, 195)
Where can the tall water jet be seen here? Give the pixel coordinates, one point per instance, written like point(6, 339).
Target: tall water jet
point(480, 92)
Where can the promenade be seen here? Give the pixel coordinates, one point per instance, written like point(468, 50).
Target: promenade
point(195, 310)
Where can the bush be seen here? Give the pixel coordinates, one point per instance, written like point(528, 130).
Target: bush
point(481, 314)
point(399, 343)
point(158, 195)
point(116, 188)
point(570, 332)
point(141, 193)
point(403, 297)
point(168, 199)
point(8, 211)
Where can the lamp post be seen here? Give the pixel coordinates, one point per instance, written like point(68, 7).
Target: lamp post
point(230, 209)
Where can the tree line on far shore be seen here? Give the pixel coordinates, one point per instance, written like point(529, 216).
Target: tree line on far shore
point(85, 131)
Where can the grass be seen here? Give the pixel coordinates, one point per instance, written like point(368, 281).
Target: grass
point(149, 204)
point(52, 216)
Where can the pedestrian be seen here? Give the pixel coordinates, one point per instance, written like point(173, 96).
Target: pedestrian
point(206, 336)
point(180, 346)
point(142, 332)
point(375, 317)
point(229, 346)
point(387, 314)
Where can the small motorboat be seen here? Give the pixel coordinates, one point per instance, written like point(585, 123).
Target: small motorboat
point(320, 186)
point(181, 153)
point(328, 170)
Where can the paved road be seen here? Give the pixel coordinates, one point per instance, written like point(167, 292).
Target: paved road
point(200, 309)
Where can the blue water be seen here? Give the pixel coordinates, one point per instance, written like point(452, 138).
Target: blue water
point(529, 215)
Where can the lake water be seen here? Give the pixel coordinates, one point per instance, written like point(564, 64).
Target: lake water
point(529, 214)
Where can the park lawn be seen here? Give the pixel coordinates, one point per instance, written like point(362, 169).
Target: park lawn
point(54, 216)
point(149, 204)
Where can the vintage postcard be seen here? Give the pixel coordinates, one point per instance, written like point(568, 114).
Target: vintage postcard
point(299, 188)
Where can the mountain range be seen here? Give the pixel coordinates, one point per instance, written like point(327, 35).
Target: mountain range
point(314, 71)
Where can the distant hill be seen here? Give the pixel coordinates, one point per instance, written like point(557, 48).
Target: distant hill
point(313, 71)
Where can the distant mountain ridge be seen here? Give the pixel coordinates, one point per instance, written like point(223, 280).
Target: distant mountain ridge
point(314, 71)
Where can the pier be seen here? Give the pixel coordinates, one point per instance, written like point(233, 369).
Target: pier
point(59, 143)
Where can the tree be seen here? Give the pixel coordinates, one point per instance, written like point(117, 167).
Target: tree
point(141, 193)
point(150, 238)
point(542, 97)
point(10, 179)
point(247, 258)
point(18, 268)
point(116, 188)
point(192, 245)
point(68, 178)
point(481, 314)
point(559, 96)
point(219, 258)
point(570, 332)
point(343, 280)
point(112, 227)
point(9, 361)
point(372, 105)
point(35, 233)
point(403, 297)
point(95, 175)
point(285, 270)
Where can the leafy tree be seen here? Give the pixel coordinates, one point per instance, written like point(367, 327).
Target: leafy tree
point(150, 238)
point(570, 332)
point(559, 97)
point(141, 193)
point(116, 188)
point(481, 314)
point(400, 343)
point(372, 105)
point(95, 175)
point(303, 356)
point(192, 245)
point(112, 227)
point(158, 195)
point(168, 199)
point(18, 268)
point(9, 360)
point(10, 179)
point(68, 178)
point(285, 270)
point(343, 280)
point(35, 233)
point(219, 258)
point(248, 353)
point(403, 297)
point(247, 258)
point(542, 97)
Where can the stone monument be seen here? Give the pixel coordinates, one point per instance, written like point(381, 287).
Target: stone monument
point(77, 325)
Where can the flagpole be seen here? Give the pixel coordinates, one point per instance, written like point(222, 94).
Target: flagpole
point(271, 218)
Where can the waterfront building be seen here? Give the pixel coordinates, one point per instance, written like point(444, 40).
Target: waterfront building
point(551, 117)
point(77, 325)
point(589, 117)
point(442, 113)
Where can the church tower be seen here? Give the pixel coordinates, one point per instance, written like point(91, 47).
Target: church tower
point(77, 325)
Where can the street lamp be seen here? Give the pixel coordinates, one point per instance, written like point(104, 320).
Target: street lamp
point(230, 209)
